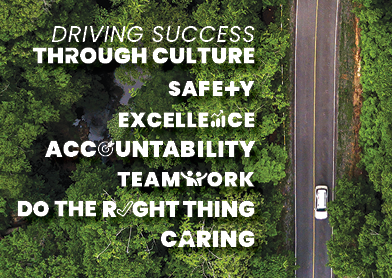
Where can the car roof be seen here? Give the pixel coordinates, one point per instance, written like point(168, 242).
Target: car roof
point(321, 198)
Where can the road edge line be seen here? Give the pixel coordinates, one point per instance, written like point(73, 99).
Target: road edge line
point(335, 119)
point(295, 133)
point(314, 135)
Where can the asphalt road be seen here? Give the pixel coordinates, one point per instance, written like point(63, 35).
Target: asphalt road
point(315, 125)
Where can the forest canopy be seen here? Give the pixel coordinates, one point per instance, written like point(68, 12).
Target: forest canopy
point(39, 102)
point(361, 212)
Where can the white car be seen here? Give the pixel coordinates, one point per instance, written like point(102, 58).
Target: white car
point(321, 198)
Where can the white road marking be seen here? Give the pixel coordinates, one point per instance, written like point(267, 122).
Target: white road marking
point(295, 131)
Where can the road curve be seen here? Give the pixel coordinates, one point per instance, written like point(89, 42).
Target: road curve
point(314, 128)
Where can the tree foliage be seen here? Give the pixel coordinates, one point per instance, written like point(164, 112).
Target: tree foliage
point(38, 100)
point(361, 213)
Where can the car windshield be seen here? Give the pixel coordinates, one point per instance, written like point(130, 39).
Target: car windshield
point(321, 199)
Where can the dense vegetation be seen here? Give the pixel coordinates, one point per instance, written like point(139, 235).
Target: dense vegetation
point(40, 101)
point(361, 214)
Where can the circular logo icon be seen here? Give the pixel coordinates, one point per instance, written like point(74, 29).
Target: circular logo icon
point(105, 148)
